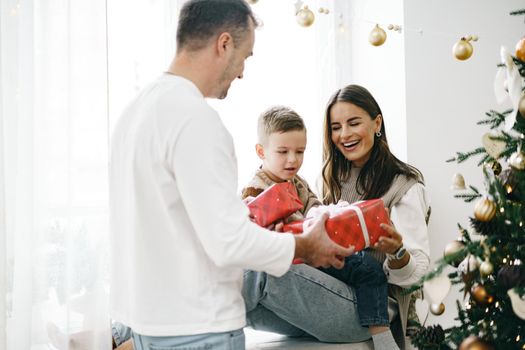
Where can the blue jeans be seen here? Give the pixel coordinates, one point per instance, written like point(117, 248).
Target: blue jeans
point(363, 272)
point(233, 340)
point(304, 301)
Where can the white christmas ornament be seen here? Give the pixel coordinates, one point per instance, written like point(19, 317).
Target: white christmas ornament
point(518, 304)
point(437, 289)
point(469, 264)
point(422, 309)
point(511, 75)
point(458, 182)
point(493, 147)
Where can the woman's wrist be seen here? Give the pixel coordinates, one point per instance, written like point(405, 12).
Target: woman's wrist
point(396, 263)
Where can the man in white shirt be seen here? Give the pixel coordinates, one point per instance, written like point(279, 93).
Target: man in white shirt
point(181, 236)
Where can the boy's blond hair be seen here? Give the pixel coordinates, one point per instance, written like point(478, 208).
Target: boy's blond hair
point(278, 119)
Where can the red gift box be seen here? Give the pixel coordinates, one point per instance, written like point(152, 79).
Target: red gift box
point(276, 202)
point(357, 225)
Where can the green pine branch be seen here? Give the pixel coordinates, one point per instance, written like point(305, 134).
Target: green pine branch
point(461, 156)
point(469, 197)
point(517, 12)
point(494, 118)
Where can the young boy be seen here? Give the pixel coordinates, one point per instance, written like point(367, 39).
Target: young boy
point(281, 144)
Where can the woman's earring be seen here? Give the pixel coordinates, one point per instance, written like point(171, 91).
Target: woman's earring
point(378, 134)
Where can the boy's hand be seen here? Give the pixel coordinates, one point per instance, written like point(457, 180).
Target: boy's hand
point(315, 248)
point(248, 199)
point(276, 226)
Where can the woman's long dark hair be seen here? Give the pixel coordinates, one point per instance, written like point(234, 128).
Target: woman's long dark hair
point(382, 167)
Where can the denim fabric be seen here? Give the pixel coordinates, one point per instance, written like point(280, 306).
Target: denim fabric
point(365, 274)
point(304, 300)
point(211, 341)
point(120, 332)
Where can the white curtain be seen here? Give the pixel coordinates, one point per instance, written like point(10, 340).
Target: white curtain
point(67, 69)
point(53, 169)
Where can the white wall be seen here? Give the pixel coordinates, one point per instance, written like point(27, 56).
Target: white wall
point(380, 69)
point(430, 100)
point(446, 97)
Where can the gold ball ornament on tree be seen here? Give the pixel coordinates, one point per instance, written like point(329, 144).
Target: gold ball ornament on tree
point(480, 294)
point(486, 268)
point(377, 36)
point(485, 209)
point(495, 166)
point(463, 49)
point(252, 2)
point(437, 309)
point(475, 343)
point(517, 160)
point(453, 248)
point(520, 49)
point(305, 17)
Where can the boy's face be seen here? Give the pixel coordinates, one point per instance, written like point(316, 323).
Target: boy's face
point(282, 154)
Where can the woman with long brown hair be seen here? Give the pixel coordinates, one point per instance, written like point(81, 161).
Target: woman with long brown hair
point(358, 165)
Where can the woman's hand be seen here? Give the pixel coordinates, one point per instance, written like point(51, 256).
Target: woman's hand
point(391, 243)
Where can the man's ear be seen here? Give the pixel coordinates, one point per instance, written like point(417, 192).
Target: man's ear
point(259, 149)
point(224, 43)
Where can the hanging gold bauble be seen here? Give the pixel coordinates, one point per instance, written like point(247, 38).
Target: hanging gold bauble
point(305, 17)
point(475, 343)
point(252, 2)
point(520, 49)
point(458, 182)
point(496, 167)
point(485, 209)
point(517, 160)
point(453, 248)
point(437, 309)
point(377, 36)
point(462, 49)
point(486, 268)
point(480, 294)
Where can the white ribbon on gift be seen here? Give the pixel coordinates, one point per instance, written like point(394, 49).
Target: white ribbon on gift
point(362, 222)
point(336, 209)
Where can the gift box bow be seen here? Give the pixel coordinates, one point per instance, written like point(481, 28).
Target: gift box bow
point(276, 202)
point(357, 224)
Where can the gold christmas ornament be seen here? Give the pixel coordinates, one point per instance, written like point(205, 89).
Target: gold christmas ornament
point(305, 17)
point(480, 294)
point(475, 343)
point(463, 49)
point(485, 209)
point(437, 309)
point(517, 160)
point(520, 49)
point(453, 248)
point(377, 36)
point(495, 166)
point(458, 182)
point(486, 268)
point(252, 2)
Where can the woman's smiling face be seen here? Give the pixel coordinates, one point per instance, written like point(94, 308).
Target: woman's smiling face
point(353, 131)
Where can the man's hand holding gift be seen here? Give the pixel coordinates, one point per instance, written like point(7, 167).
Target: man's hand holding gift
point(313, 246)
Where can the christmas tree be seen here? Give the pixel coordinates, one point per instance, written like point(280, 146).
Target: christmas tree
point(489, 256)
